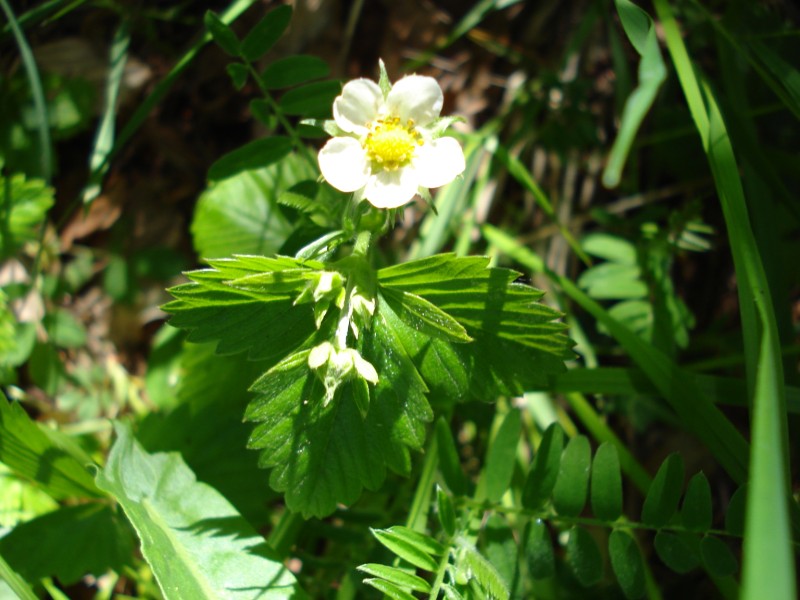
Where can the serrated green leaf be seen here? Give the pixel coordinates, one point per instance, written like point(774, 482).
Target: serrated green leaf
point(45, 457)
point(696, 509)
point(425, 317)
point(539, 550)
point(253, 155)
point(516, 343)
point(400, 578)
point(263, 36)
point(584, 557)
point(484, 573)
point(97, 541)
point(572, 484)
point(389, 589)
point(445, 511)
point(662, 498)
point(544, 470)
point(196, 543)
point(717, 557)
point(606, 484)
point(501, 457)
point(266, 326)
point(676, 553)
point(342, 452)
point(312, 99)
point(409, 551)
point(626, 561)
point(238, 74)
point(29, 201)
point(449, 463)
point(222, 34)
point(293, 70)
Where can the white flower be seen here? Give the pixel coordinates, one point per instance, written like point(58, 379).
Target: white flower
point(389, 147)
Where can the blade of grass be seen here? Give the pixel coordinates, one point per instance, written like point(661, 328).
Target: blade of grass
point(697, 413)
point(35, 81)
point(41, 12)
point(768, 554)
point(104, 138)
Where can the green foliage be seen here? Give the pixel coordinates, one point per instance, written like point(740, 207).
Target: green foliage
point(196, 543)
point(25, 203)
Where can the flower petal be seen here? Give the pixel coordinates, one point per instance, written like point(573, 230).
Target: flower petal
point(439, 162)
point(415, 97)
point(358, 105)
point(391, 189)
point(343, 164)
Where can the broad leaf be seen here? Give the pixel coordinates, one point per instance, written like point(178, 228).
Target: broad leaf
point(313, 99)
point(253, 155)
point(196, 543)
point(68, 543)
point(239, 215)
point(43, 456)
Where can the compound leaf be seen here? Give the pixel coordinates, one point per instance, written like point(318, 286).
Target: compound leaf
point(606, 483)
point(665, 491)
point(569, 493)
point(626, 561)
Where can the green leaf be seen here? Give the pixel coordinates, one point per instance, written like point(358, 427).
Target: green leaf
point(311, 100)
point(516, 343)
point(239, 215)
point(222, 34)
point(584, 557)
point(389, 589)
point(418, 313)
point(606, 483)
point(613, 281)
point(539, 550)
point(734, 515)
point(407, 547)
point(662, 498)
point(652, 72)
point(446, 512)
point(253, 155)
point(569, 493)
point(696, 509)
point(449, 463)
point(676, 553)
point(626, 561)
point(293, 70)
point(544, 470)
point(43, 456)
point(24, 206)
point(267, 326)
point(499, 546)
point(484, 573)
point(68, 543)
point(400, 578)
point(196, 543)
point(502, 457)
point(238, 74)
point(610, 247)
point(263, 36)
point(717, 557)
point(64, 330)
point(16, 584)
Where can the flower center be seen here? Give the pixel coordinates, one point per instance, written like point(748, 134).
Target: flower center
point(391, 144)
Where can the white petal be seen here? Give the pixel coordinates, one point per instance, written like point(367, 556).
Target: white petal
point(391, 189)
point(343, 163)
point(358, 105)
point(415, 97)
point(439, 162)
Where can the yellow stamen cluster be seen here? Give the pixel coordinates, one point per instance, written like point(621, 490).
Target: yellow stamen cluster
point(390, 144)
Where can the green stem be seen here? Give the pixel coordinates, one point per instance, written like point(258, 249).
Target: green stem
point(285, 532)
point(361, 246)
point(418, 515)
